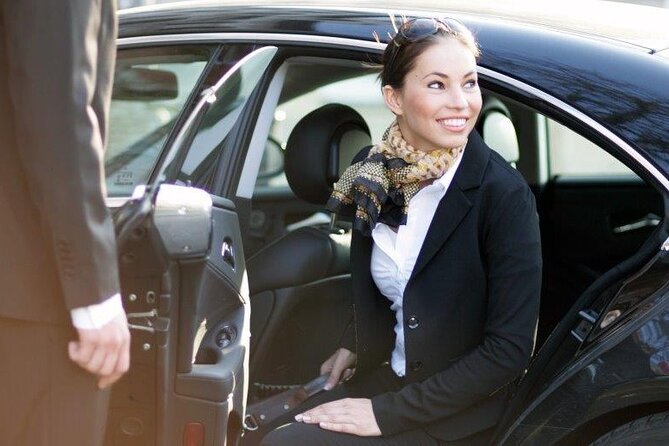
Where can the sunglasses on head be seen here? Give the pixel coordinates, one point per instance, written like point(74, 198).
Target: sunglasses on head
point(416, 29)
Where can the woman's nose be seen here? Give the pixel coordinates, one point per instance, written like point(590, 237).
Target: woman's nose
point(456, 98)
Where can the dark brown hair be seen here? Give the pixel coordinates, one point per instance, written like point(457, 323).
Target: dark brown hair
point(400, 55)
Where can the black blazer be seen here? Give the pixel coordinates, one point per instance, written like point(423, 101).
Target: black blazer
point(474, 299)
point(56, 234)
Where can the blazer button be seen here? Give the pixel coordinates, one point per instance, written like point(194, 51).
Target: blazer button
point(415, 366)
point(413, 323)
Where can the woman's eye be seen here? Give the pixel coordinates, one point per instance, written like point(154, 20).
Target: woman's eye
point(436, 85)
point(471, 83)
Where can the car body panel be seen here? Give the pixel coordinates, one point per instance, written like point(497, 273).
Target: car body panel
point(627, 369)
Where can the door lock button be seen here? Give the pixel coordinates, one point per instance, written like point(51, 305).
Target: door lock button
point(225, 337)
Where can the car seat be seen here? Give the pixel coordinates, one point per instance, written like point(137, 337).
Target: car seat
point(300, 285)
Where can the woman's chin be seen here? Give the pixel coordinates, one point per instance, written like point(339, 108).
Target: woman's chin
point(452, 143)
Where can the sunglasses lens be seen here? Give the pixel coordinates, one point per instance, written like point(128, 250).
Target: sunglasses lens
point(415, 29)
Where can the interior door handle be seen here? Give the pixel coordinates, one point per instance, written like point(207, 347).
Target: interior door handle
point(228, 252)
point(647, 221)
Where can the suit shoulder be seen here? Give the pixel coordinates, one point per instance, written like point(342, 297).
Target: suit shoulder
point(501, 173)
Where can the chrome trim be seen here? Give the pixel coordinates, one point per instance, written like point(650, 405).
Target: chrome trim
point(588, 317)
point(263, 37)
point(665, 245)
point(581, 117)
point(251, 167)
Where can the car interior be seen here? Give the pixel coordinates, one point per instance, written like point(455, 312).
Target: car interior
point(595, 211)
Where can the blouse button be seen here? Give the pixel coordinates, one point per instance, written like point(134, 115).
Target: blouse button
point(413, 322)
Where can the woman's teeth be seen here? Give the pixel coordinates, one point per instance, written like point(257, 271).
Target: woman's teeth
point(453, 123)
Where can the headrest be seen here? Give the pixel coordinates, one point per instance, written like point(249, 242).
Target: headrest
point(498, 130)
point(321, 147)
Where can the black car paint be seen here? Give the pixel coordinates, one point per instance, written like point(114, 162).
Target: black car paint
point(620, 86)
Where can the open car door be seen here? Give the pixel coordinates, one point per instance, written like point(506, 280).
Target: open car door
point(184, 284)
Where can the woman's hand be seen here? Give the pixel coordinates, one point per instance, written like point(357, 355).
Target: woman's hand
point(339, 366)
point(351, 415)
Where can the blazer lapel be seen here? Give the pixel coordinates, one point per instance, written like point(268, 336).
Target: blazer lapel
point(455, 204)
point(450, 212)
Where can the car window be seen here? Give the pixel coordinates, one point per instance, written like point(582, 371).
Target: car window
point(362, 93)
point(213, 133)
point(570, 154)
point(151, 87)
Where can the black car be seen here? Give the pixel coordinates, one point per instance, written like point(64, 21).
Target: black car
point(229, 122)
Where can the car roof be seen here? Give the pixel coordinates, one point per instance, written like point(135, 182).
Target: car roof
point(638, 25)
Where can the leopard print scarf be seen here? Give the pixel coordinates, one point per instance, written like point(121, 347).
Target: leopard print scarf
point(379, 188)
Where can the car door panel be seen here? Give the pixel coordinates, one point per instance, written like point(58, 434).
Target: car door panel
point(156, 260)
point(213, 337)
point(579, 218)
point(185, 284)
point(591, 221)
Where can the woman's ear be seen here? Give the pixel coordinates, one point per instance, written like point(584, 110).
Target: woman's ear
point(393, 99)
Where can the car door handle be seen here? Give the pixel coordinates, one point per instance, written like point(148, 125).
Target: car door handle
point(228, 252)
point(647, 221)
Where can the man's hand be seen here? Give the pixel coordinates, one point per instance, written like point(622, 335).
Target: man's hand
point(351, 415)
point(339, 366)
point(105, 352)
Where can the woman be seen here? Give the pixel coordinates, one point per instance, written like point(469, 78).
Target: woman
point(446, 264)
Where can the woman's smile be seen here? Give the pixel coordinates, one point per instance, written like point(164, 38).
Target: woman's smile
point(454, 124)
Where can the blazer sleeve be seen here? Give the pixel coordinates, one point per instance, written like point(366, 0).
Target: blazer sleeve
point(60, 78)
point(512, 252)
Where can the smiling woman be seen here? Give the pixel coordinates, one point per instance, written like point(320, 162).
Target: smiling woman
point(446, 264)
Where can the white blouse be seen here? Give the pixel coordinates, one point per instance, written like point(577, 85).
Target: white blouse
point(394, 254)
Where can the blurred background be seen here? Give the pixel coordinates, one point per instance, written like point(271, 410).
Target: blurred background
point(132, 3)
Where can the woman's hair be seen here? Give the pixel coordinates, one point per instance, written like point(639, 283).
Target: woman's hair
point(400, 55)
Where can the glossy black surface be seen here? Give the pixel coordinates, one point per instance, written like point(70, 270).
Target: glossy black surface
point(630, 371)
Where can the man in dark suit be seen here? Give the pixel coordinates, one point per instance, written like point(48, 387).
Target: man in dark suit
point(63, 332)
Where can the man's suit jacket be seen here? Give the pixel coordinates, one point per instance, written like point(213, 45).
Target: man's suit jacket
point(470, 307)
point(56, 234)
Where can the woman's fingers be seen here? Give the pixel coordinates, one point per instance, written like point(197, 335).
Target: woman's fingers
point(348, 373)
point(315, 415)
point(343, 359)
point(353, 416)
point(326, 367)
